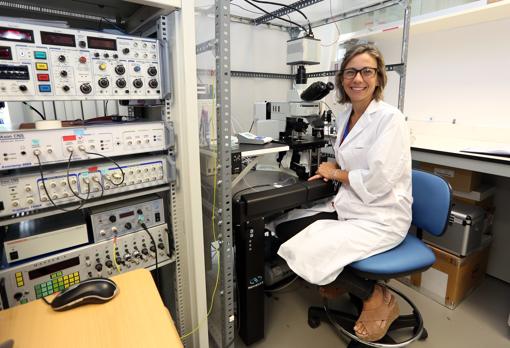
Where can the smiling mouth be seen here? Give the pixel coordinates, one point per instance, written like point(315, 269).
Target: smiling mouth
point(358, 88)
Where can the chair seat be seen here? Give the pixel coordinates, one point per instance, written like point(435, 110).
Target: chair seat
point(410, 256)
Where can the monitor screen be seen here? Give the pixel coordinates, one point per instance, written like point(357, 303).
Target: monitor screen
point(58, 39)
point(13, 34)
point(5, 53)
point(101, 43)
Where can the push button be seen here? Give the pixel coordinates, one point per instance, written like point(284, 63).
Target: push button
point(45, 88)
point(39, 55)
point(43, 77)
point(41, 66)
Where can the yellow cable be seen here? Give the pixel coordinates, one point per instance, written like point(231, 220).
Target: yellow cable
point(213, 218)
point(115, 254)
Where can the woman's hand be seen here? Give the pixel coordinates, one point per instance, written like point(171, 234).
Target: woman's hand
point(326, 171)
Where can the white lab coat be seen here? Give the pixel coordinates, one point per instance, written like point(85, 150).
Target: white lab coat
point(374, 209)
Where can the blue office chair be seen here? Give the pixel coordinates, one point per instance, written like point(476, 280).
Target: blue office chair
point(431, 210)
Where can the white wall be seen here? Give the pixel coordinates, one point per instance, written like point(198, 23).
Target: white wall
point(460, 73)
point(463, 74)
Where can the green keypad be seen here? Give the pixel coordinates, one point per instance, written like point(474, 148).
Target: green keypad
point(58, 282)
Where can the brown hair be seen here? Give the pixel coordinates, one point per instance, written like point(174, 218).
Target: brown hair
point(381, 71)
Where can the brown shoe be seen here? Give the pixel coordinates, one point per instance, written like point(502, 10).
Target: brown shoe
point(378, 320)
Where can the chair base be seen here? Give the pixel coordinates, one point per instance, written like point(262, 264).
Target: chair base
point(344, 324)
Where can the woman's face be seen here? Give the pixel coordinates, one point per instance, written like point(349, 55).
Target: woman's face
point(360, 89)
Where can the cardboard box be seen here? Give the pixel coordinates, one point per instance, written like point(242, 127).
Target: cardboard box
point(460, 179)
point(483, 196)
point(452, 278)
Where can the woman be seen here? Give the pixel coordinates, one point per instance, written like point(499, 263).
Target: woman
point(371, 213)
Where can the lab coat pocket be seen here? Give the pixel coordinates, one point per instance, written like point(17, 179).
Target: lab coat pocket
point(357, 157)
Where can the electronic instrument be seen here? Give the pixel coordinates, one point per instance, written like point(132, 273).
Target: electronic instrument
point(21, 193)
point(52, 63)
point(21, 148)
point(45, 276)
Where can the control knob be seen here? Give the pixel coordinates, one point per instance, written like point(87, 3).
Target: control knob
point(152, 71)
point(128, 225)
point(82, 44)
point(125, 50)
point(61, 58)
point(103, 82)
point(23, 88)
point(121, 83)
point(18, 296)
point(112, 218)
point(153, 248)
point(153, 83)
point(108, 263)
point(66, 88)
point(161, 246)
point(145, 251)
point(63, 73)
point(120, 69)
point(85, 88)
point(138, 83)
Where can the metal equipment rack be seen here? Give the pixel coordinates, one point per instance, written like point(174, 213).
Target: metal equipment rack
point(172, 22)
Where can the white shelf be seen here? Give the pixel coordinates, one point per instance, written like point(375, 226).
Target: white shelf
point(452, 18)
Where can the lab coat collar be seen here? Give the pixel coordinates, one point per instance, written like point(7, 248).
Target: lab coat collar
point(364, 120)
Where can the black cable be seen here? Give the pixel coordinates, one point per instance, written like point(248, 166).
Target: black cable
point(102, 188)
point(283, 19)
point(82, 202)
point(35, 110)
point(245, 9)
point(288, 6)
point(144, 226)
point(113, 161)
point(251, 126)
point(69, 183)
point(114, 25)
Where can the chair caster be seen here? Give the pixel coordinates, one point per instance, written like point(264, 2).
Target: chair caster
point(424, 335)
point(314, 322)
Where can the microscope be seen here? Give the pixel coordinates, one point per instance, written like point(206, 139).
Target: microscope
point(297, 122)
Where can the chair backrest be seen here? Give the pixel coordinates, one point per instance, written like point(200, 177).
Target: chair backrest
point(432, 197)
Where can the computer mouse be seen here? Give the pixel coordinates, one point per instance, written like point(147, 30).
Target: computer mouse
point(93, 290)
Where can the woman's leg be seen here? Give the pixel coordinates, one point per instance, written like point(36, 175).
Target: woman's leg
point(379, 311)
point(288, 229)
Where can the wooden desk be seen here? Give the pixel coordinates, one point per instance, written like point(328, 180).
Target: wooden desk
point(136, 317)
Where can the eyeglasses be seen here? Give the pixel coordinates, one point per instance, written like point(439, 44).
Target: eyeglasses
point(366, 72)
